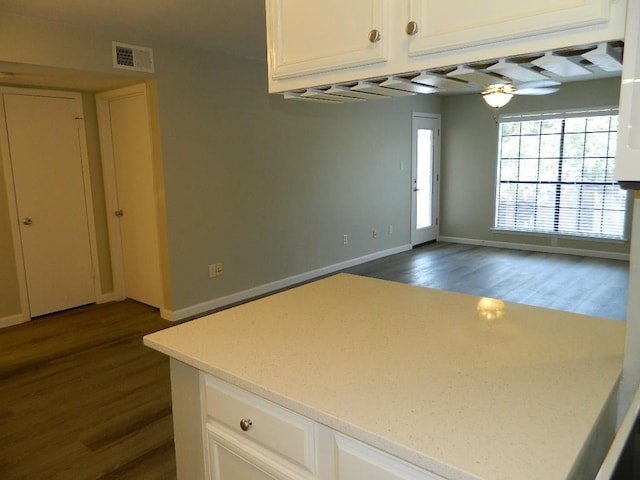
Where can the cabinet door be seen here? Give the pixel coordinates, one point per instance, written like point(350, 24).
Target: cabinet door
point(230, 457)
point(305, 37)
point(226, 465)
point(442, 26)
point(628, 152)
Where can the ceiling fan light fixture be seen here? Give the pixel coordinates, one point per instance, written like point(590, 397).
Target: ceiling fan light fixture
point(497, 96)
point(497, 99)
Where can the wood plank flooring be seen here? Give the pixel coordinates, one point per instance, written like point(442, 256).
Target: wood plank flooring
point(585, 285)
point(82, 398)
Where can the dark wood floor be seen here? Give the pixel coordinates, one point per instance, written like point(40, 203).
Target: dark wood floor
point(585, 285)
point(82, 398)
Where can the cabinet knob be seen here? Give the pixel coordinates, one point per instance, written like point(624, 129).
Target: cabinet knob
point(245, 424)
point(412, 28)
point(27, 221)
point(374, 36)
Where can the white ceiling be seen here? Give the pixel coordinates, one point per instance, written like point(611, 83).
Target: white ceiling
point(234, 26)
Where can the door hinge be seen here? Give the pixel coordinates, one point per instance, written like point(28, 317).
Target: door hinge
point(436, 221)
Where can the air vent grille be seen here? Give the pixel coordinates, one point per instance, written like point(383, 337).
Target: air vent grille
point(132, 57)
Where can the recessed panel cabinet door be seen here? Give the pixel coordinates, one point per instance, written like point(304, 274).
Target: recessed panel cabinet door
point(306, 37)
point(442, 26)
point(226, 465)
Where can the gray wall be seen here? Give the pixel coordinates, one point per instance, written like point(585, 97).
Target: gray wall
point(268, 187)
point(265, 186)
point(469, 151)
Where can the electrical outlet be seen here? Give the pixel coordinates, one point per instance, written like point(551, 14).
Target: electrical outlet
point(374, 234)
point(215, 270)
point(345, 239)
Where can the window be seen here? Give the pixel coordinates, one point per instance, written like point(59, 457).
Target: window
point(556, 175)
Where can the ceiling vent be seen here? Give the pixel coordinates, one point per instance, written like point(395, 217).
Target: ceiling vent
point(132, 57)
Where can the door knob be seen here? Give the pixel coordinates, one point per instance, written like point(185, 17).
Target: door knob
point(27, 221)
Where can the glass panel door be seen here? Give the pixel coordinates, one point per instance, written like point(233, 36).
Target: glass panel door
point(425, 177)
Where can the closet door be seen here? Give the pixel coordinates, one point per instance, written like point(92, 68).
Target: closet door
point(44, 145)
point(131, 192)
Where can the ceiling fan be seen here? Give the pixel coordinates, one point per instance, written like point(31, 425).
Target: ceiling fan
point(498, 95)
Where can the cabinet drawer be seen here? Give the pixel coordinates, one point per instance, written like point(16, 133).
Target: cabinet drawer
point(357, 461)
point(271, 427)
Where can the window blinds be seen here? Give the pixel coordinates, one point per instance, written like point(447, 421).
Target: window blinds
point(556, 174)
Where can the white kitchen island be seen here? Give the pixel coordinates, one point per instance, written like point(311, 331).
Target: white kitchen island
point(348, 369)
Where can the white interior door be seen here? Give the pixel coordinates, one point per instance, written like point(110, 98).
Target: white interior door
point(46, 157)
point(125, 137)
point(425, 172)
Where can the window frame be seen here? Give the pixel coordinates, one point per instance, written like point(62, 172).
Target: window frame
point(545, 115)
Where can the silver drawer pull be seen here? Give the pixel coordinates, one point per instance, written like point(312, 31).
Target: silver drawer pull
point(245, 424)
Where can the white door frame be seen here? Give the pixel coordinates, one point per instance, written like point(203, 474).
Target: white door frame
point(25, 314)
point(436, 172)
point(111, 190)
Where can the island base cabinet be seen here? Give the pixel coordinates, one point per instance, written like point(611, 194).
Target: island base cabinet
point(250, 438)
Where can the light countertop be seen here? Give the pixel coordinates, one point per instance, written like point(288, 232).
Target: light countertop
point(465, 387)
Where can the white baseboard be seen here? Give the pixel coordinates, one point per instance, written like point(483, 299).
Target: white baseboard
point(221, 302)
point(13, 320)
point(537, 248)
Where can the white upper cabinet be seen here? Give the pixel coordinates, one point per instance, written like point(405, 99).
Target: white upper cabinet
point(309, 37)
point(441, 26)
point(328, 42)
point(628, 153)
